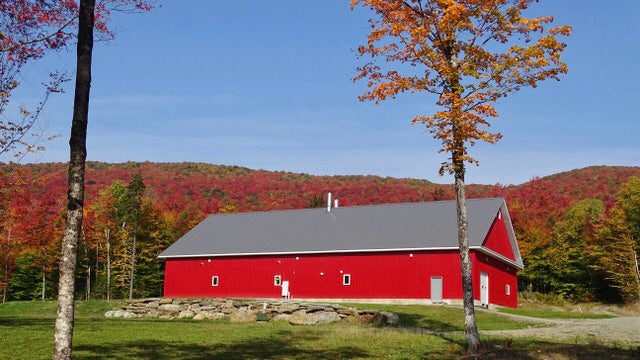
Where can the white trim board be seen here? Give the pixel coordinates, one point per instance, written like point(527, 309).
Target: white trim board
point(482, 249)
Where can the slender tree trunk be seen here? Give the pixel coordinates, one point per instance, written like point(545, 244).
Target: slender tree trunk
point(637, 269)
point(88, 276)
point(457, 162)
point(6, 265)
point(133, 264)
point(88, 297)
point(44, 284)
point(97, 269)
point(75, 197)
point(106, 234)
point(470, 327)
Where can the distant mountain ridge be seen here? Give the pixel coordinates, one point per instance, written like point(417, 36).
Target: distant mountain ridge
point(207, 186)
point(198, 189)
point(179, 195)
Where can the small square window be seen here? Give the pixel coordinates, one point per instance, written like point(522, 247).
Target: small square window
point(277, 280)
point(214, 281)
point(507, 289)
point(346, 279)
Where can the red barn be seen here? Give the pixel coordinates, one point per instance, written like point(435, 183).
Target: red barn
point(384, 253)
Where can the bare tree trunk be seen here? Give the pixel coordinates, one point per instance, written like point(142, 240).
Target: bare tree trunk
point(133, 264)
point(44, 283)
point(97, 271)
point(106, 234)
point(88, 297)
point(75, 197)
point(637, 272)
point(470, 327)
point(88, 277)
point(6, 266)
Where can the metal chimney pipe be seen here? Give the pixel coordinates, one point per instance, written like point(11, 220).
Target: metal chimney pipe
point(329, 202)
point(335, 203)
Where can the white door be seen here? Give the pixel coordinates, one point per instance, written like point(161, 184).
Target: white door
point(484, 289)
point(285, 288)
point(436, 289)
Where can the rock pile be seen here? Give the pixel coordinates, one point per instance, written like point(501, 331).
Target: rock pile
point(250, 311)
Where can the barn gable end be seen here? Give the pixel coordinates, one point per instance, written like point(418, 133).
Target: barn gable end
point(498, 239)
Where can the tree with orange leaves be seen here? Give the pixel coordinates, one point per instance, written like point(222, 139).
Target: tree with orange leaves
point(468, 53)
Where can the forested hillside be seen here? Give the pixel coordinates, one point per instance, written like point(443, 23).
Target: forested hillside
point(578, 231)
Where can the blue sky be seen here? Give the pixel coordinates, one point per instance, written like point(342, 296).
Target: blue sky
point(267, 85)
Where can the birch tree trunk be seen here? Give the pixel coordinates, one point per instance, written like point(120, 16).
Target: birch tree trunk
point(470, 327)
point(44, 283)
point(6, 265)
point(88, 275)
point(75, 197)
point(133, 264)
point(107, 236)
point(637, 269)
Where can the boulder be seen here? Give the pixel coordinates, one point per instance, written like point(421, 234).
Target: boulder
point(385, 318)
point(152, 305)
point(243, 315)
point(289, 308)
point(200, 316)
point(214, 315)
point(185, 314)
point(170, 308)
point(228, 311)
point(229, 304)
point(301, 317)
point(206, 302)
point(326, 317)
point(120, 314)
point(165, 301)
point(312, 309)
point(348, 311)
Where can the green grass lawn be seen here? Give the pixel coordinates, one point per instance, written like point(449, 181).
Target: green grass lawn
point(26, 332)
point(553, 314)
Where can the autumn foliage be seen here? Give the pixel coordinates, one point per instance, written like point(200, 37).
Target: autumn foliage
point(468, 53)
point(179, 195)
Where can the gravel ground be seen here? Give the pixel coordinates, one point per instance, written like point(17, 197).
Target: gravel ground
point(621, 328)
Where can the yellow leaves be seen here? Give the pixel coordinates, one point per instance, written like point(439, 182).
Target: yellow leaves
point(564, 30)
point(457, 49)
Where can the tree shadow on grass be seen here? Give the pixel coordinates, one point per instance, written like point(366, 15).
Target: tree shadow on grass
point(14, 321)
point(528, 349)
point(538, 350)
point(283, 345)
point(409, 320)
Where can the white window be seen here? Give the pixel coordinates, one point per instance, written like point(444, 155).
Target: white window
point(507, 289)
point(214, 281)
point(277, 280)
point(346, 279)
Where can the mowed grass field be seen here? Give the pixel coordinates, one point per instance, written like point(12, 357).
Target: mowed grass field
point(431, 332)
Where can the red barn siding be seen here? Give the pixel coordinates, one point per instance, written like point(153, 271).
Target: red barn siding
point(498, 240)
point(386, 275)
point(500, 275)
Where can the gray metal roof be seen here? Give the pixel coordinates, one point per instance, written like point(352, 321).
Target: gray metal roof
point(425, 225)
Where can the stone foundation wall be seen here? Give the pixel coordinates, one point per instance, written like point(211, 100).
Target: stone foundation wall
point(250, 311)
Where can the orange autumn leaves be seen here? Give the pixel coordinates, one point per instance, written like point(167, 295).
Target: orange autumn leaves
point(469, 53)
